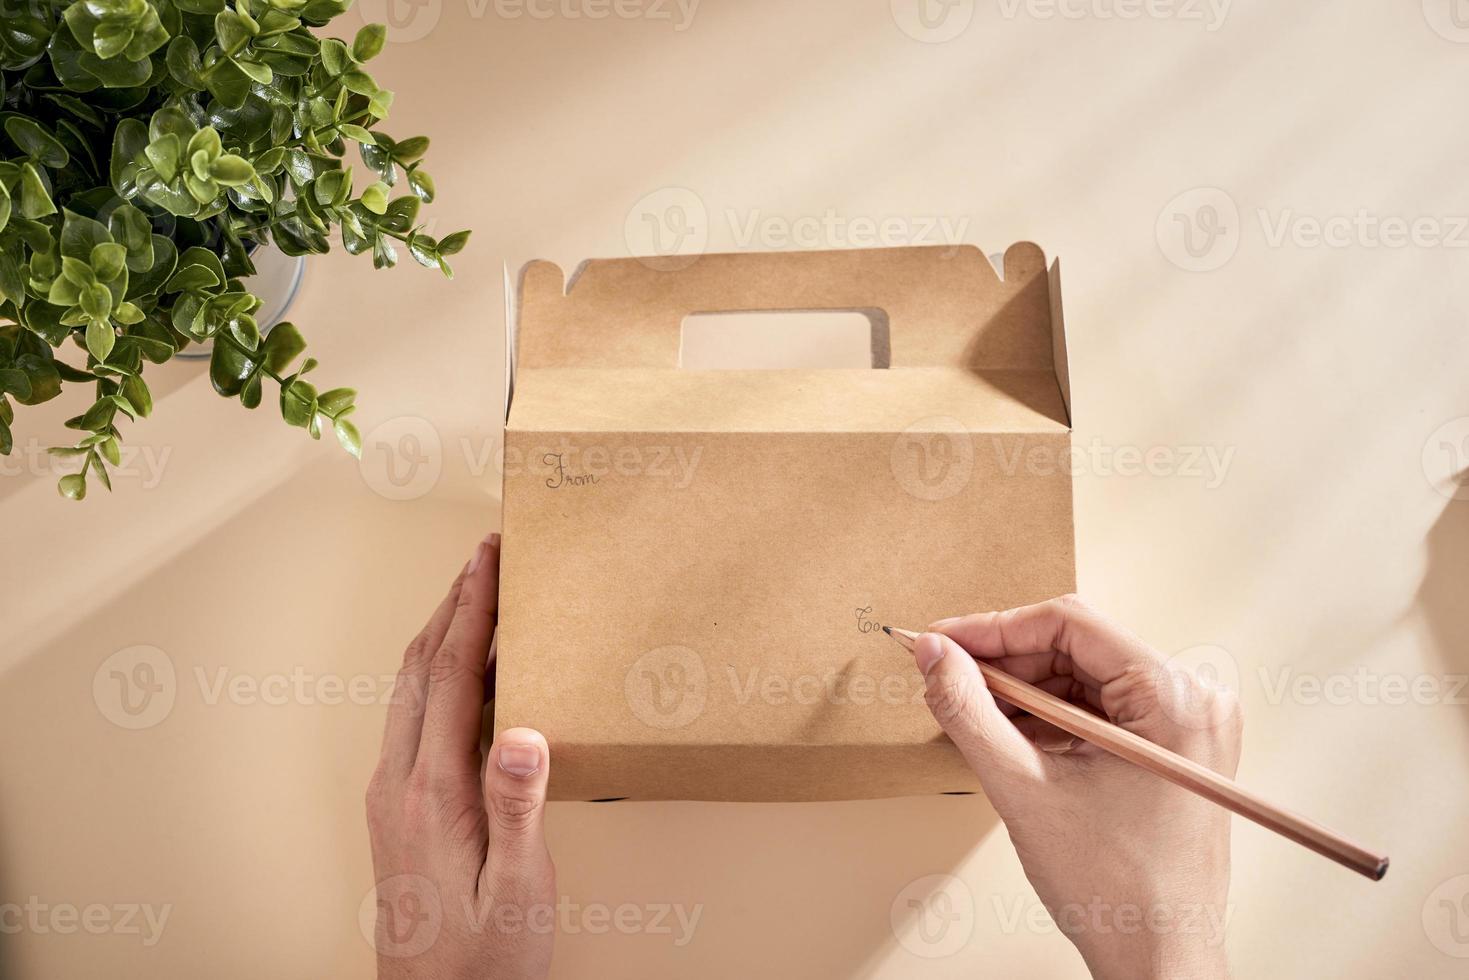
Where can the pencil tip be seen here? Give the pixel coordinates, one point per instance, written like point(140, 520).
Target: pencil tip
point(888, 630)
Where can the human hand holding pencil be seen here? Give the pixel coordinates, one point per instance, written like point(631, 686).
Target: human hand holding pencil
point(1134, 870)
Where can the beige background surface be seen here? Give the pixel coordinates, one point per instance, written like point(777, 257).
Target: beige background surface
point(1323, 545)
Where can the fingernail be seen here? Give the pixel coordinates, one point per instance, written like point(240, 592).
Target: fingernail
point(479, 554)
point(944, 622)
point(520, 759)
point(928, 651)
point(494, 540)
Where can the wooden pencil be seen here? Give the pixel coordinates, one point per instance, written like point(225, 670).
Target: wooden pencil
point(1171, 766)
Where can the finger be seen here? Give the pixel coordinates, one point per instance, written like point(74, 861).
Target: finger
point(405, 709)
point(963, 706)
point(1098, 647)
point(516, 775)
point(1137, 689)
point(1062, 687)
point(456, 676)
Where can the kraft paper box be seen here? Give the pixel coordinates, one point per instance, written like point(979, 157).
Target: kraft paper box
point(696, 563)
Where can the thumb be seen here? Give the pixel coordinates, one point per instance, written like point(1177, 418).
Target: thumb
point(964, 708)
point(516, 773)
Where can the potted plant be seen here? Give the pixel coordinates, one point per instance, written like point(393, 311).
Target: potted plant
point(148, 147)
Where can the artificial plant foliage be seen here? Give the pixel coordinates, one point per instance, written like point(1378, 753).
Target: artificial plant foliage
point(149, 146)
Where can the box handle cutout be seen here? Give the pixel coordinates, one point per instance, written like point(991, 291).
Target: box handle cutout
point(785, 339)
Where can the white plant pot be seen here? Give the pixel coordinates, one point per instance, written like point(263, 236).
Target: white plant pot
point(276, 281)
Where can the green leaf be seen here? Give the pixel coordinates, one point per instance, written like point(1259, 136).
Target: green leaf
point(80, 234)
point(96, 303)
point(357, 133)
point(406, 151)
point(335, 57)
point(251, 392)
point(35, 200)
point(199, 6)
point(111, 38)
point(148, 36)
point(64, 292)
point(128, 314)
point(77, 272)
point(100, 339)
point(422, 185)
point(128, 140)
point(348, 436)
point(108, 260)
point(170, 119)
point(35, 142)
point(44, 320)
point(228, 368)
point(255, 70)
point(424, 251)
point(233, 30)
point(117, 72)
point(193, 278)
point(369, 41)
point(199, 255)
point(165, 154)
point(130, 228)
point(359, 82)
point(282, 345)
point(73, 486)
point(336, 400)
point(12, 284)
point(298, 403)
point(204, 141)
point(375, 198)
point(231, 170)
point(183, 62)
point(454, 243)
point(15, 381)
point(227, 83)
point(165, 259)
point(138, 395)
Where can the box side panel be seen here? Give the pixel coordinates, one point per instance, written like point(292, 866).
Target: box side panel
point(555, 400)
point(705, 595)
point(758, 774)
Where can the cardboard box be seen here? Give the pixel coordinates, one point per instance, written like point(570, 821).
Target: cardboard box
point(696, 563)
